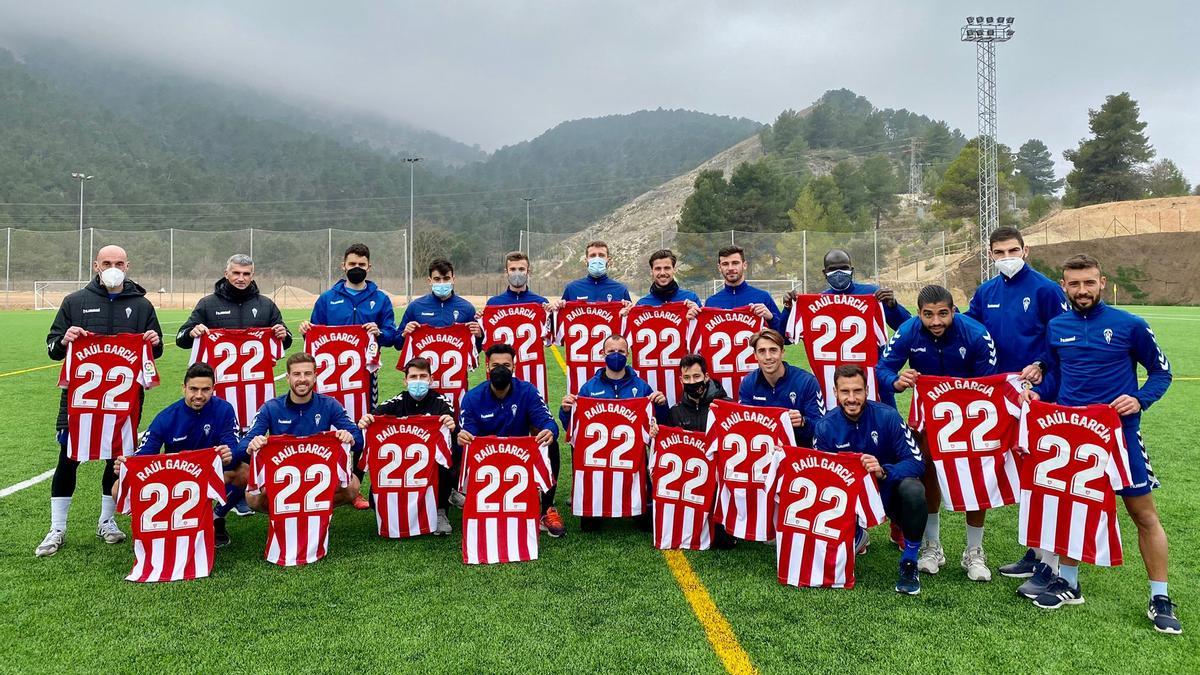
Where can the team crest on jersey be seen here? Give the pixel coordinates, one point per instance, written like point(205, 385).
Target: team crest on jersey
point(128, 311)
point(792, 396)
point(456, 315)
point(634, 390)
point(1108, 333)
point(514, 409)
point(962, 352)
point(254, 312)
point(610, 297)
point(207, 428)
point(317, 420)
point(1025, 302)
point(875, 437)
point(372, 304)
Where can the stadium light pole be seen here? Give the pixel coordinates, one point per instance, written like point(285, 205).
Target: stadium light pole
point(985, 32)
point(412, 167)
point(528, 244)
point(82, 177)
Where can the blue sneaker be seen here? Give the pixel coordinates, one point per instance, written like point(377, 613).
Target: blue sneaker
point(908, 582)
point(862, 539)
point(1059, 593)
point(1036, 584)
point(1161, 612)
point(1023, 568)
point(242, 508)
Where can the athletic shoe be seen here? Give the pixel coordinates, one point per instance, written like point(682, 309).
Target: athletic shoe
point(1023, 568)
point(1161, 612)
point(1036, 585)
point(908, 582)
point(862, 539)
point(109, 532)
point(443, 523)
point(974, 561)
point(457, 499)
point(1059, 593)
point(242, 508)
point(552, 523)
point(360, 502)
point(722, 540)
point(50, 545)
point(930, 557)
point(220, 536)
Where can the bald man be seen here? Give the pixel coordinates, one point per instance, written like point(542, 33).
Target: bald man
point(108, 305)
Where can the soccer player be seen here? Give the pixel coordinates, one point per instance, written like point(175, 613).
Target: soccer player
point(699, 391)
point(663, 287)
point(1015, 308)
point(731, 263)
point(938, 342)
point(596, 286)
point(418, 398)
point(505, 406)
point(441, 307)
point(200, 420)
point(1092, 354)
point(779, 384)
point(889, 453)
point(301, 412)
point(517, 269)
point(108, 305)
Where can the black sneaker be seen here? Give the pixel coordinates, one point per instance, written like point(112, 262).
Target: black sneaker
point(1023, 568)
point(1059, 593)
point(1161, 612)
point(1037, 584)
point(908, 582)
point(220, 536)
point(722, 540)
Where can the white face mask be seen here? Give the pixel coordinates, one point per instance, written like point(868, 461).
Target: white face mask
point(112, 278)
point(1009, 266)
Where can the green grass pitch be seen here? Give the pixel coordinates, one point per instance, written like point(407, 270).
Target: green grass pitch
point(592, 602)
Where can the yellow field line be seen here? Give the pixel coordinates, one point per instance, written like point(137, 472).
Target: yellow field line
point(30, 370)
point(716, 627)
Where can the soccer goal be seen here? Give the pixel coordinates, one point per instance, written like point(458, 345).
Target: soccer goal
point(50, 294)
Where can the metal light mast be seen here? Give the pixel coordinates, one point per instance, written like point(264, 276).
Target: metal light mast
point(985, 32)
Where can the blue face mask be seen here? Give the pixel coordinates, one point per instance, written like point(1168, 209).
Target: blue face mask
point(418, 388)
point(840, 280)
point(615, 361)
point(597, 267)
point(443, 291)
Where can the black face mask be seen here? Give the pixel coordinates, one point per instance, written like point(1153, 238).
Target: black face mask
point(500, 377)
point(664, 292)
point(695, 389)
point(356, 275)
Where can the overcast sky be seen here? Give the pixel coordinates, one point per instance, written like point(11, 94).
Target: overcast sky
point(499, 72)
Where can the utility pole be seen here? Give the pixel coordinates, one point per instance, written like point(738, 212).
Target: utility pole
point(528, 244)
point(412, 166)
point(914, 179)
point(82, 177)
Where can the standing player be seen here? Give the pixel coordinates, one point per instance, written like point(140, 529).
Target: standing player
point(1092, 355)
point(441, 307)
point(505, 406)
point(937, 342)
point(779, 384)
point(731, 263)
point(108, 305)
point(517, 269)
point(596, 286)
point(889, 453)
point(1015, 307)
point(663, 287)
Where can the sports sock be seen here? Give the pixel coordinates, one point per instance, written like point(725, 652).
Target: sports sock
point(933, 529)
point(1157, 588)
point(233, 495)
point(1070, 573)
point(910, 550)
point(1049, 558)
point(108, 508)
point(58, 512)
point(974, 537)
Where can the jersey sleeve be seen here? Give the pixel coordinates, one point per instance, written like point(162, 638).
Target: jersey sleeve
point(785, 422)
point(539, 414)
point(344, 458)
point(340, 419)
point(258, 474)
point(441, 453)
point(869, 508)
point(896, 315)
point(216, 478)
point(772, 474)
point(916, 415)
point(543, 475)
point(894, 356)
point(1158, 369)
point(124, 490)
point(389, 334)
point(229, 427)
point(906, 457)
point(148, 374)
point(985, 355)
point(776, 321)
point(260, 426)
point(56, 350)
point(814, 403)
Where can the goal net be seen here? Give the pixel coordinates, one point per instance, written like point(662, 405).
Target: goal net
point(50, 294)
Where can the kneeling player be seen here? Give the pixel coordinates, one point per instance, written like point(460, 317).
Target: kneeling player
point(889, 453)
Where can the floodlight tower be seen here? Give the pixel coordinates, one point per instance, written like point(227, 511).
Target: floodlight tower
point(985, 32)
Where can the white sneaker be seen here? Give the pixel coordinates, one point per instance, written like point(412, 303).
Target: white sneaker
point(974, 561)
point(50, 545)
point(109, 532)
point(443, 523)
point(457, 499)
point(930, 557)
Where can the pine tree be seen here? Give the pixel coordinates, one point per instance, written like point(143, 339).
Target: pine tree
point(1107, 165)
point(1035, 165)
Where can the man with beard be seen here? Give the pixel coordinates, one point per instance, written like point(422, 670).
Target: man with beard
point(777, 383)
point(663, 287)
point(731, 263)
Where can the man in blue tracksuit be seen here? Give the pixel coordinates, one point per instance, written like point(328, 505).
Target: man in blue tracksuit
point(1015, 307)
point(782, 385)
point(596, 286)
point(731, 263)
point(663, 287)
point(441, 307)
point(1094, 351)
point(302, 412)
point(889, 453)
point(505, 406)
point(516, 275)
point(939, 342)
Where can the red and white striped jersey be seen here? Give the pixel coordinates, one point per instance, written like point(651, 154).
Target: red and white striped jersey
point(722, 337)
point(170, 500)
point(683, 470)
point(503, 479)
point(581, 329)
point(300, 476)
point(970, 427)
point(402, 454)
point(609, 438)
point(104, 376)
point(820, 498)
point(243, 360)
point(451, 353)
point(526, 327)
point(1076, 461)
point(839, 329)
point(742, 437)
point(657, 341)
point(346, 357)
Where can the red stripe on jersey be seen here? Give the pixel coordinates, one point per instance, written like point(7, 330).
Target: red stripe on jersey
point(741, 438)
point(243, 360)
point(581, 329)
point(722, 337)
point(657, 342)
point(609, 440)
point(402, 456)
point(503, 478)
point(451, 353)
point(104, 376)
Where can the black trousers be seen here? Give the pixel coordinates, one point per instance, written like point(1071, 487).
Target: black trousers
point(548, 496)
point(904, 503)
point(63, 482)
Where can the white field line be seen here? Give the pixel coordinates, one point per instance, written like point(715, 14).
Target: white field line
point(29, 482)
